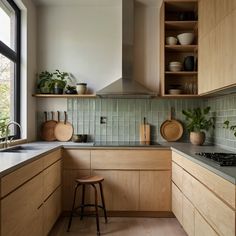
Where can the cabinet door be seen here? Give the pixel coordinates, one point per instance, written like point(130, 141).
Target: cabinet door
point(188, 216)
point(21, 211)
point(121, 189)
point(202, 228)
point(177, 203)
point(69, 177)
point(158, 186)
point(51, 211)
point(177, 174)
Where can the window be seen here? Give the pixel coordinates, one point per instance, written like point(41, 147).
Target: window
point(9, 66)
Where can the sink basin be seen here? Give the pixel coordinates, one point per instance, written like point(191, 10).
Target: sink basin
point(21, 149)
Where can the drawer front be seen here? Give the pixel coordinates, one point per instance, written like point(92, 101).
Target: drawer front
point(52, 157)
point(202, 228)
point(177, 175)
point(131, 159)
point(52, 178)
point(188, 216)
point(177, 203)
point(76, 159)
point(20, 176)
point(217, 213)
point(177, 158)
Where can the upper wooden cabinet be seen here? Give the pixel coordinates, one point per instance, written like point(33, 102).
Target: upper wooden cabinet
point(177, 17)
point(217, 34)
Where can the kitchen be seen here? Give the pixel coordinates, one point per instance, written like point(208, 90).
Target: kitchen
point(84, 38)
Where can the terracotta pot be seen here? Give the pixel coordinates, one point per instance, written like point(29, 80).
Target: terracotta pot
point(197, 138)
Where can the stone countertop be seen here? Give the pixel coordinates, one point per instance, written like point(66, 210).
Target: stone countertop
point(11, 161)
point(188, 150)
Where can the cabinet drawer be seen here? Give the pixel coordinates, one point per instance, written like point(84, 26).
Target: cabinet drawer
point(177, 158)
point(177, 175)
point(131, 159)
point(76, 159)
point(177, 203)
point(51, 178)
point(20, 176)
point(51, 158)
point(217, 213)
point(188, 216)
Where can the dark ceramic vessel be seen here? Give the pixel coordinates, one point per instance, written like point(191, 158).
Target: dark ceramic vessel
point(189, 63)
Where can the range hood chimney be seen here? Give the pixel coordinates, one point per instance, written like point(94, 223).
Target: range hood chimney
point(126, 87)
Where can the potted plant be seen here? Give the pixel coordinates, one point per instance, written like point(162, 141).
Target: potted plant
point(45, 82)
point(197, 122)
point(59, 81)
point(70, 90)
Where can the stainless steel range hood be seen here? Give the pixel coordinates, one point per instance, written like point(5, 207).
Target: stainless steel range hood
point(126, 87)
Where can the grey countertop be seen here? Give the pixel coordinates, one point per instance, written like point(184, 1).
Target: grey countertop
point(11, 161)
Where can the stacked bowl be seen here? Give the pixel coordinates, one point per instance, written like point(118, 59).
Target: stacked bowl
point(175, 66)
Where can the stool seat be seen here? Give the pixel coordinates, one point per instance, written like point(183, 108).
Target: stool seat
point(90, 179)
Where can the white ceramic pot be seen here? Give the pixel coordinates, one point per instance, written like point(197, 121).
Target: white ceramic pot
point(197, 138)
point(81, 88)
point(186, 38)
point(171, 41)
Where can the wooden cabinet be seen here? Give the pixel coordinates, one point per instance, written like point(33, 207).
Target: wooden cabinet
point(32, 205)
point(217, 21)
point(205, 193)
point(172, 25)
point(22, 212)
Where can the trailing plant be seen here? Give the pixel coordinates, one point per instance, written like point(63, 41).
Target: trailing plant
point(197, 119)
point(60, 79)
point(232, 127)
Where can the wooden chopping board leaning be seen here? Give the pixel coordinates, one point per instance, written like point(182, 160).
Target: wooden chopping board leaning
point(144, 132)
point(47, 128)
point(63, 130)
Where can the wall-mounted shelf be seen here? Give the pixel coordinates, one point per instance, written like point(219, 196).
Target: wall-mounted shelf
point(180, 25)
point(64, 95)
point(181, 48)
point(181, 73)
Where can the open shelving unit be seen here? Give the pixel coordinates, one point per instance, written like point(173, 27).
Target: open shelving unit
point(172, 25)
point(64, 95)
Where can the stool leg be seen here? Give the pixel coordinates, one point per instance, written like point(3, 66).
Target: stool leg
point(96, 208)
point(82, 204)
point(73, 206)
point(103, 202)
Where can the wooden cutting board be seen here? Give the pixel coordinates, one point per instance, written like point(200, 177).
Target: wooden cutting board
point(144, 132)
point(63, 130)
point(47, 129)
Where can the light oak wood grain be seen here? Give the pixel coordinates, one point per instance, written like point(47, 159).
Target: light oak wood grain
point(52, 157)
point(158, 186)
point(177, 175)
point(76, 159)
point(20, 176)
point(51, 211)
point(188, 216)
point(202, 228)
point(21, 213)
point(131, 159)
point(177, 203)
point(51, 179)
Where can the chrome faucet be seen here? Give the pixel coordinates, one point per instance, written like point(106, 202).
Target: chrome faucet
point(6, 144)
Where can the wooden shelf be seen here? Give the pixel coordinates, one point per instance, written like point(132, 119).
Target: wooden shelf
point(181, 73)
point(180, 96)
point(180, 25)
point(64, 95)
point(181, 48)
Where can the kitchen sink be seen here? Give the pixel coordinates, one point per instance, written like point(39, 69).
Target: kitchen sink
point(21, 149)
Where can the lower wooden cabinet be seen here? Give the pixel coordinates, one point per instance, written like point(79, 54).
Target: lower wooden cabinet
point(51, 210)
point(158, 186)
point(188, 217)
point(177, 203)
point(22, 211)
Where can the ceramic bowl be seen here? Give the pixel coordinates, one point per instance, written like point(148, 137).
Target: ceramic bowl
point(171, 41)
point(186, 38)
point(175, 66)
point(80, 138)
point(175, 91)
point(81, 88)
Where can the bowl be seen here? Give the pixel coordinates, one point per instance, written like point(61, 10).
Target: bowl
point(171, 41)
point(175, 91)
point(80, 138)
point(186, 38)
point(175, 66)
point(81, 88)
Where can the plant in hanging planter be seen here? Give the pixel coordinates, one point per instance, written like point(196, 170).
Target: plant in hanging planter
point(197, 123)
point(59, 81)
point(45, 82)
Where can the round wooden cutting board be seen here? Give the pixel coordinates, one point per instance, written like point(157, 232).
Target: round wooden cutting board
point(47, 129)
point(63, 130)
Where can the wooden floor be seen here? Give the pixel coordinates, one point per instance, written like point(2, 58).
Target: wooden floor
point(120, 227)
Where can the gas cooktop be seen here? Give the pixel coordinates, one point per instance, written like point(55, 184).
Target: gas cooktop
point(223, 159)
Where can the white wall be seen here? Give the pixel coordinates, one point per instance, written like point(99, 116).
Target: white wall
point(29, 68)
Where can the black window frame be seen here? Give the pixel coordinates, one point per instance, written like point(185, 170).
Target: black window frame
point(15, 56)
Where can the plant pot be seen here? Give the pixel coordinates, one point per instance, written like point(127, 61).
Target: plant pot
point(197, 138)
point(57, 90)
point(81, 88)
point(45, 90)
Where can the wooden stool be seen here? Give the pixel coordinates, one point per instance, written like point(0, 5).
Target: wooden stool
point(88, 180)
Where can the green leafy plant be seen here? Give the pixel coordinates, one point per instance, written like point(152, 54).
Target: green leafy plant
point(232, 127)
point(197, 120)
point(60, 79)
point(45, 82)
